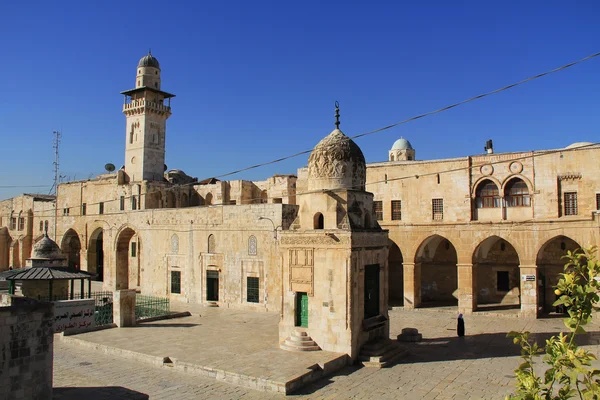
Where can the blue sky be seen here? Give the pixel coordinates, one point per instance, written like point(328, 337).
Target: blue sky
point(257, 80)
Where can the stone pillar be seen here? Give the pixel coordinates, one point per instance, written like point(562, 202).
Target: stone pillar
point(467, 288)
point(529, 290)
point(412, 285)
point(124, 307)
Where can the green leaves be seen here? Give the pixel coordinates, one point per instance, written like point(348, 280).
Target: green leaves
point(569, 374)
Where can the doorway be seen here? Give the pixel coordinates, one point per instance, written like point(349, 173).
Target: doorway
point(212, 285)
point(371, 290)
point(302, 309)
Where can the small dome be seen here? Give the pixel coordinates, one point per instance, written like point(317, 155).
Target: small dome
point(336, 162)
point(47, 249)
point(149, 61)
point(578, 144)
point(402, 144)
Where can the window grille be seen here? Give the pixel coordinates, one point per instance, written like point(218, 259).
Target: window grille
point(252, 290)
point(133, 203)
point(437, 207)
point(176, 282)
point(252, 246)
point(101, 208)
point(571, 203)
point(517, 194)
point(83, 209)
point(13, 223)
point(396, 210)
point(122, 203)
point(378, 210)
point(21, 223)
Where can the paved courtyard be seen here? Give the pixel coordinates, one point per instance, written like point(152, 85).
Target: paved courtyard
point(442, 366)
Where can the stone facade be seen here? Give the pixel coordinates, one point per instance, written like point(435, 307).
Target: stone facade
point(26, 342)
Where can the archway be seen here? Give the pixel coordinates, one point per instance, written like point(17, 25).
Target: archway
point(95, 255)
point(184, 200)
point(437, 261)
point(71, 247)
point(396, 275)
point(128, 256)
point(170, 200)
point(208, 199)
point(496, 265)
point(550, 264)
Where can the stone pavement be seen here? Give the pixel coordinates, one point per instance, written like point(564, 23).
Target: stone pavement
point(478, 366)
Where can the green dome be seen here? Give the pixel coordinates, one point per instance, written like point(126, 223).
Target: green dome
point(402, 144)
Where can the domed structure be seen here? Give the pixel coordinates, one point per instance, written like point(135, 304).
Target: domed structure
point(46, 249)
point(401, 150)
point(149, 61)
point(578, 144)
point(402, 144)
point(336, 162)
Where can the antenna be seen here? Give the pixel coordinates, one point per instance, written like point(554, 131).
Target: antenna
point(57, 136)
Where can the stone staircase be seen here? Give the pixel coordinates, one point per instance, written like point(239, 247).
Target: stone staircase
point(379, 353)
point(299, 341)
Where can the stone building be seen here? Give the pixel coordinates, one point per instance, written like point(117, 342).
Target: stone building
point(471, 232)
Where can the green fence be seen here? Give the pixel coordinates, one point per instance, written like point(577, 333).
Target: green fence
point(150, 306)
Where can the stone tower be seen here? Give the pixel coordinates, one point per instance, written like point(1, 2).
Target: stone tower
point(147, 109)
point(334, 256)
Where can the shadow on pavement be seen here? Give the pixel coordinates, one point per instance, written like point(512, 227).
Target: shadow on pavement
point(97, 393)
point(487, 345)
point(151, 325)
point(321, 383)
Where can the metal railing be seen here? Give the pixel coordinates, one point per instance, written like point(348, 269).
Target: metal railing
point(150, 306)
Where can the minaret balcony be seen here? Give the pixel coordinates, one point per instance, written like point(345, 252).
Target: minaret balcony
point(142, 105)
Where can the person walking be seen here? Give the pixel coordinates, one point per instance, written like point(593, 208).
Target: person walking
point(460, 326)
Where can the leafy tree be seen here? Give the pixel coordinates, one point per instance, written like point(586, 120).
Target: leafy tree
point(570, 373)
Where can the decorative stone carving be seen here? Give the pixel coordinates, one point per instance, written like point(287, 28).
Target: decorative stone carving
point(252, 246)
point(486, 170)
point(174, 244)
point(515, 167)
point(315, 240)
point(337, 162)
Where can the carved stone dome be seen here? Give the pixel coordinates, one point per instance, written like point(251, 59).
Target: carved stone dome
point(46, 249)
point(149, 61)
point(336, 162)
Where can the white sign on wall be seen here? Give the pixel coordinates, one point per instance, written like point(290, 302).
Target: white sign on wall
point(528, 278)
point(74, 315)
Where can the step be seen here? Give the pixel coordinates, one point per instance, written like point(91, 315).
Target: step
point(289, 347)
point(299, 344)
point(380, 349)
point(299, 333)
point(299, 340)
point(388, 352)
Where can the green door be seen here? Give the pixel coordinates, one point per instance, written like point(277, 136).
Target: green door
point(302, 310)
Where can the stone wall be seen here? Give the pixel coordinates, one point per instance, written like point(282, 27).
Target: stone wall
point(26, 343)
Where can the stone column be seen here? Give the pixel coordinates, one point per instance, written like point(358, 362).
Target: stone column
point(528, 276)
point(412, 285)
point(467, 288)
point(124, 308)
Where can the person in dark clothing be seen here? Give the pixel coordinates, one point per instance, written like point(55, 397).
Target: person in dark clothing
point(460, 326)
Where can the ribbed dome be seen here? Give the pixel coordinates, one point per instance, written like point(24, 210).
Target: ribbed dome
point(336, 162)
point(149, 61)
point(402, 144)
point(47, 249)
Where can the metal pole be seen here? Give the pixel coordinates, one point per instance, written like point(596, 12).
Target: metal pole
point(72, 288)
point(89, 288)
point(82, 288)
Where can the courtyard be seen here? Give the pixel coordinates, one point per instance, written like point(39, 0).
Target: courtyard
point(125, 363)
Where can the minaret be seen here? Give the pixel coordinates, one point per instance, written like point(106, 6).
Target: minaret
point(147, 114)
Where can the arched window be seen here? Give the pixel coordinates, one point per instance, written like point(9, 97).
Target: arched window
point(252, 247)
point(516, 194)
point(46, 226)
point(211, 243)
point(319, 221)
point(391, 157)
point(208, 199)
point(174, 244)
point(487, 195)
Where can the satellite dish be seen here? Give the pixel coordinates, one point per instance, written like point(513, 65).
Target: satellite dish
point(165, 167)
point(109, 167)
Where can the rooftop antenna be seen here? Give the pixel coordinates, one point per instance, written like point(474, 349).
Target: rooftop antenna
point(57, 137)
point(337, 115)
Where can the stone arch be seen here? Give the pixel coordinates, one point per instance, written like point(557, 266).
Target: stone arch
point(550, 264)
point(208, 199)
point(194, 199)
point(436, 259)
point(211, 244)
point(485, 178)
point(517, 176)
point(520, 200)
point(128, 256)
point(184, 200)
point(170, 199)
point(71, 248)
point(396, 275)
point(318, 221)
point(264, 197)
point(95, 254)
point(487, 194)
point(496, 269)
